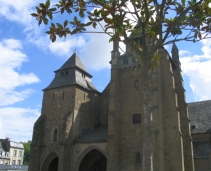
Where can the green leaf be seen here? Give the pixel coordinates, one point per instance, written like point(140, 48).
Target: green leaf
point(47, 4)
point(88, 24)
point(52, 9)
point(68, 10)
point(38, 10)
point(94, 24)
point(34, 15)
point(72, 23)
point(48, 32)
point(50, 15)
point(90, 13)
point(75, 31)
point(42, 6)
point(65, 23)
point(53, 37)
point(45, 21)
point(75, 19)
point(40, 21)
point(81, 13)
point(59, 25)
point(62, 10)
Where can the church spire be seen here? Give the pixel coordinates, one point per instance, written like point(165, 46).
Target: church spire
point(174, 51)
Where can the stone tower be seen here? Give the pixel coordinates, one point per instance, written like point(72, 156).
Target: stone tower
point(81, 129)
point(127, 128)
point(70, 107)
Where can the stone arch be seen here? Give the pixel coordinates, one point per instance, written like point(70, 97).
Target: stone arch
point(87, 151)
point(51, 163)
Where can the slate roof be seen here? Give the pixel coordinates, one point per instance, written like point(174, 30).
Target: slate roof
point(75, 70)
point(200, 116)
point(16, 144)
point(99, 134)
point(73, 62)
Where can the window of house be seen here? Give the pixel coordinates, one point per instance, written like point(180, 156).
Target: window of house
point(55, 135)
point(136, 118)
point(66, 72)
point(137, 157)
point(19, 162)
point(125, 61)
point(14, 152)
point(20, 154)
point(13, 162)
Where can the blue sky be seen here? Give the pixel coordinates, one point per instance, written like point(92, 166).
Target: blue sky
point(28, 59)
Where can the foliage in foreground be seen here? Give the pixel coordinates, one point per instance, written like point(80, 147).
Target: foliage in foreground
point(159, 22)
point(27, 148)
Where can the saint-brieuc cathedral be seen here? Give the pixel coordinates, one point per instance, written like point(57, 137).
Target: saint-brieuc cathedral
point(82, 129)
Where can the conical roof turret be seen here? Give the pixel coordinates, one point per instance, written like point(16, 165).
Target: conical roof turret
point(73, 62)
point(72, 72)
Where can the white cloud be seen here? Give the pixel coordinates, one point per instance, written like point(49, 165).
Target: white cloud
point(17, 123)
point(11, 59)
point(183, 52)
point(197, 68)
point(96, 53)
point(18, 11)
point(62, 47)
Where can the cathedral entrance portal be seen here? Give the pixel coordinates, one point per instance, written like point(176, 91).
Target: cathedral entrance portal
point(51, 163)
point(93, 161)
point(54, 164)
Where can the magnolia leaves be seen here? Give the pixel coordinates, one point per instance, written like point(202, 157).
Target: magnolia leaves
point(157, 22)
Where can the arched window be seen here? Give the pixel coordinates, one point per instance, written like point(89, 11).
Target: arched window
point(55, 135)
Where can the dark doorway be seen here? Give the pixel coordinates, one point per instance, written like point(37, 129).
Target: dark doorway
point(53, 166)
point(93, 161)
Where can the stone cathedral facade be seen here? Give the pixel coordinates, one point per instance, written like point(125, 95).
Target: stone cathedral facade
point(82, 129)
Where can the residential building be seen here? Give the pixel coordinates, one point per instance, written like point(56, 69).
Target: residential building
point(11, 153)
point(16, 153)
point(4, 152)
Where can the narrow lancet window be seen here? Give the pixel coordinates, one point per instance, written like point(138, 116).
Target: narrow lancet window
point(138, 157)
point(55, 135)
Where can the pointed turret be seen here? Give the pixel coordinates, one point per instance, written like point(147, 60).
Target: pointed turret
point(70, 73)
point(174, 51)
point(73, 62)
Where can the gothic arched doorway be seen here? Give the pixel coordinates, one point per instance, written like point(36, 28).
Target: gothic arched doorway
point(53, 166)
point(51, 163)
point(93, 161)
